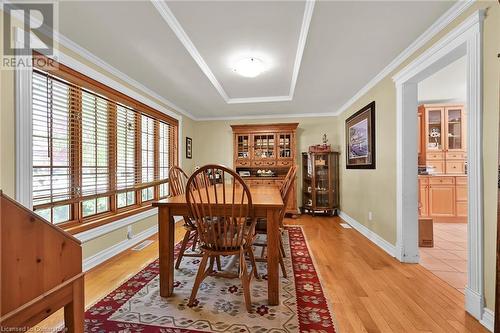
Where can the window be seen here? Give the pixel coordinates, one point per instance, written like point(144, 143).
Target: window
point(96, 152)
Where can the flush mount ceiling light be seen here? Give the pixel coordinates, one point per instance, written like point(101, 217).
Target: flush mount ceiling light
point(249, 67)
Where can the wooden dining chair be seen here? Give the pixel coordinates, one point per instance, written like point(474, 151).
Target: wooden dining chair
point(178, 180)
point(261, 226)
point(220, 213)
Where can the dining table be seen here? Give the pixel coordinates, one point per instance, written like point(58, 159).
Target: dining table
point(266, 202)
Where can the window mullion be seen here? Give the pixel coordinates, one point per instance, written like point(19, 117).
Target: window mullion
point(138, 157)
point(112, 156)
point(75, 116)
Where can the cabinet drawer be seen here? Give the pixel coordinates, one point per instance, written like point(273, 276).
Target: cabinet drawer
point(461, 180)
point(455, 167)
point(456, 155)
point(437, 165)
point(285, 163)
point(423, 180)
point(242, 163)
point(264, 163)
point(441, 180)
point(435, 155)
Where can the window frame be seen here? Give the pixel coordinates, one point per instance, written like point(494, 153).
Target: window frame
point(78, 223)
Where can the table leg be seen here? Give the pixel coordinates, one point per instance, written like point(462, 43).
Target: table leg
point(273, 275)
point(166, 232)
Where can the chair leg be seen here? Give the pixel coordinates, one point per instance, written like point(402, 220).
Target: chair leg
point(282, 248)
point(219, 265)
point(254, 263)
point(199, 278)
point(195, 241)
point(245, 282)
point(184, 243)
point(283, 269)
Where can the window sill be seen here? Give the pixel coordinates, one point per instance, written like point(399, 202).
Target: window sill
point(93, 229)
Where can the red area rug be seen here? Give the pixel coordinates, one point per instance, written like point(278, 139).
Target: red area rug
point(136, 305)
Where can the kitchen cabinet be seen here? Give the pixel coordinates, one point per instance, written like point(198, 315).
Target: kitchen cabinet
point(442, 196)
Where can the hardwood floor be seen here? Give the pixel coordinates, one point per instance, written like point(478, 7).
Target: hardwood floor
point(369, 291)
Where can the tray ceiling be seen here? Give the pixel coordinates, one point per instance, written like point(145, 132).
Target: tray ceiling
point(321, 54)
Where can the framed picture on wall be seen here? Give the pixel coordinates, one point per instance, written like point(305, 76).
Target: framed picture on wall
point(360, 138)
point(189, 147)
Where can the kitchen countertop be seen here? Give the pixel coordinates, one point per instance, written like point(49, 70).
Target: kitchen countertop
point(443, 175)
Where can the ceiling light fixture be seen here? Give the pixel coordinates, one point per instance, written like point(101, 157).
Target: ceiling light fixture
point(249, 67)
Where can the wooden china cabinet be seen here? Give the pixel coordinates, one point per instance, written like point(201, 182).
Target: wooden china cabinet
point(263, 153)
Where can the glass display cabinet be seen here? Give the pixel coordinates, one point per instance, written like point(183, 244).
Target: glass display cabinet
point(320, 182)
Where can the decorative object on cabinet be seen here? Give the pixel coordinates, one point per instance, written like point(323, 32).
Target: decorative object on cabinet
point(323, 148)
point(265, 152)
point(360, 138)
point(189, 147)
point(443, 148)
point(320, 182)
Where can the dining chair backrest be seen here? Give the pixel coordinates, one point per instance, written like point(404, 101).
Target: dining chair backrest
point(177, 179)
point(288, 181)
point(221, 211)
point(287, 192)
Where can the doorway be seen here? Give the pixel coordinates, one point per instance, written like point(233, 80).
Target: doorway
point(442, 173)
point(464, 40)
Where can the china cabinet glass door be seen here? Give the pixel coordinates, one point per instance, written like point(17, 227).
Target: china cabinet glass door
point(285, 145)
point(243, 146)
point(455, 129)
point(264, 145)
point(322, 185)
point(435, 129)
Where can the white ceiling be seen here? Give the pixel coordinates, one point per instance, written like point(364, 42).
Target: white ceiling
point(346, 45)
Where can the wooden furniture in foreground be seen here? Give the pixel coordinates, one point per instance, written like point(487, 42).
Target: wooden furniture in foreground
point(320, 182)
point(443, 197)
point(444, 137)
point(41, 269)
point(425, 232)
point(266, 147)
point(177, 183)
point(225, 232)
point(267, 203)
point(261, 227)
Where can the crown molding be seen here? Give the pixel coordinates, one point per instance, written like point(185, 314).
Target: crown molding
point(442, 22)
point(173, 23)
point(269, 116)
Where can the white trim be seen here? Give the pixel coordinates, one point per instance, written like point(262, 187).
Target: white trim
point(268, 116)
point(389, 248)
point(117, 248)
point(24, 128)
point(465, 39)
point(488, 319)
point(451, 14)
point(94, 233)
point(173, 23)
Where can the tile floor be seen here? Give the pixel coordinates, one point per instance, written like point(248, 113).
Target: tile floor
point(448, 258)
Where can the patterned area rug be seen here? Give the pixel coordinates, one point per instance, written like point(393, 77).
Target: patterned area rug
point(136, 306)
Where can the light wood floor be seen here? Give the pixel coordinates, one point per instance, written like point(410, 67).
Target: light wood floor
point(369, 291)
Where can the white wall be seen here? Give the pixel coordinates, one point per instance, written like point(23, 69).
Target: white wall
point(446, 86)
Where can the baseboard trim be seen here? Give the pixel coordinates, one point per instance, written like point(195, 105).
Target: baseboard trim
point(474, 303)
point(488, 319)
point(117, 248)
point(370, 234)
